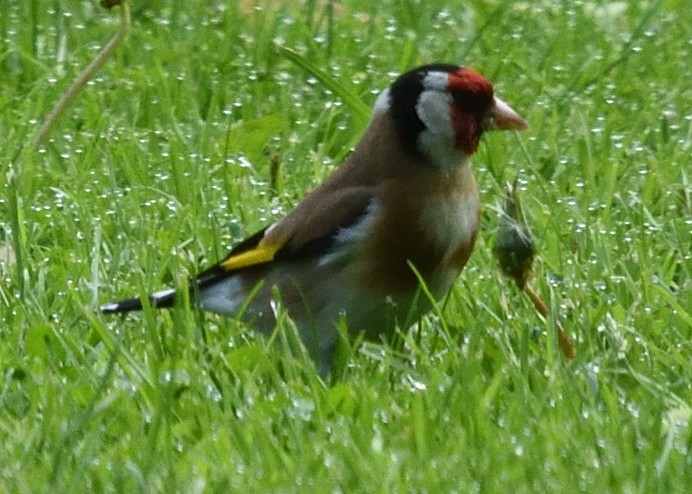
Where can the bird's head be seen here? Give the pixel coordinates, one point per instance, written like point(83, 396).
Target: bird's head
point(440, 111)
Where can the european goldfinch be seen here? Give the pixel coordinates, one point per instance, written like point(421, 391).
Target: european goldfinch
point(404, 207)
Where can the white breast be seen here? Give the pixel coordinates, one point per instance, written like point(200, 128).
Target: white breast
point(451, 221)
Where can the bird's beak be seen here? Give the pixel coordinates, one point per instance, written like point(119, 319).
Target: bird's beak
point(502, 117)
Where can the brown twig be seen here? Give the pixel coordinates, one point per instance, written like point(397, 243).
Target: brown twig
point(515, 250)
point(88, 73)
point(563, 340)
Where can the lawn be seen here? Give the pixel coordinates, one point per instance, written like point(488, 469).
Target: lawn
point(212, 119)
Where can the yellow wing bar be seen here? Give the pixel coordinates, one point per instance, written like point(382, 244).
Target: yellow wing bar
point(259, 255)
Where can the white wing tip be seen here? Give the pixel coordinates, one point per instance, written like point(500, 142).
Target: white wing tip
point(156, 296)
point(111, 307)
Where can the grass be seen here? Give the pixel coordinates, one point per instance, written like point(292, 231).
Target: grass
point(165, 160)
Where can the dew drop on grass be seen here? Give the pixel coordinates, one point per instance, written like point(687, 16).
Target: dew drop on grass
point(304, 408)
point(243, 162)
point(213, 393)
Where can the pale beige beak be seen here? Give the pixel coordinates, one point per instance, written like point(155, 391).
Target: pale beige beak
point(503, 117)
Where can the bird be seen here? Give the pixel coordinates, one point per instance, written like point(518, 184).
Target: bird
point(402, 211)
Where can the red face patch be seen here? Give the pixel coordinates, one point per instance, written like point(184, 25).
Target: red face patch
point(467, 129)
point(472, 98)
point(467, 81)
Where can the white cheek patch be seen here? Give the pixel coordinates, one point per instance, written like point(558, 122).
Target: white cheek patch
point(437, 141)
point(433, 108)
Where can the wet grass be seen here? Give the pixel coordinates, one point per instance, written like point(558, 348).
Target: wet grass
point(200, 131)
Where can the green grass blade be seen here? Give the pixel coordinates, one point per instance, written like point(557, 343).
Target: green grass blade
point(360, 111)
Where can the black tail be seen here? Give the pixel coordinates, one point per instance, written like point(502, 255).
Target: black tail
point(159, 300)
point(165, 299)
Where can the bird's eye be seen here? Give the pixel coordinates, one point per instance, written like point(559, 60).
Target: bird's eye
point(460, 98)
point(469, 101)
